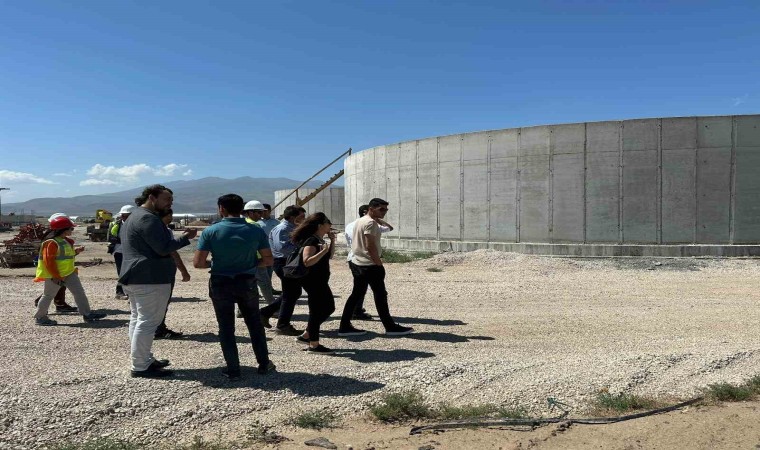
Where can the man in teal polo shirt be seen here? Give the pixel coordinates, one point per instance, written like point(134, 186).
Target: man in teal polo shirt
point(233, 244)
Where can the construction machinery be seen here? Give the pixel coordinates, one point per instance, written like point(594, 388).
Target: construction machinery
point(99, 231)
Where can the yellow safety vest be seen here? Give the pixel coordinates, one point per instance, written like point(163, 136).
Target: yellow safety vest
point(64, 261)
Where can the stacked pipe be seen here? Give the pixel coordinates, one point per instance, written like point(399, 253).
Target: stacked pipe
point(28, 233)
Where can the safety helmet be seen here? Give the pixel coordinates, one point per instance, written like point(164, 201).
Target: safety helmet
point(61, 223)
point(254, 205)
point(56, 215)
point(126, 209)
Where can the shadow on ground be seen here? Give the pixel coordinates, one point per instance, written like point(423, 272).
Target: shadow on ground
point(305, 384)
point(372, 355)
point(188, 299)
point(443, 337)
point(103, 323)
point(426, 321)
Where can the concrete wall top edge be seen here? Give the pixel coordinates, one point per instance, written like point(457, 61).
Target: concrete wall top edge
point(633, 122)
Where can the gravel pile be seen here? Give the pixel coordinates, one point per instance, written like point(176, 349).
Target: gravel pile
point(491, 327)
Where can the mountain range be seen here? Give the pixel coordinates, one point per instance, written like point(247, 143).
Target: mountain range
point(190, 196)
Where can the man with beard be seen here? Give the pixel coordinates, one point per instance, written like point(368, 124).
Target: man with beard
point(147, 272)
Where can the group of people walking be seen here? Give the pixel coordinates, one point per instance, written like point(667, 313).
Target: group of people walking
point(245, 248)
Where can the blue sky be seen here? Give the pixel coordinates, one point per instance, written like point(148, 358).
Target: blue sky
point(102, 96)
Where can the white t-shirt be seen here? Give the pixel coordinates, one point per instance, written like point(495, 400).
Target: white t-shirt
point(349, 234)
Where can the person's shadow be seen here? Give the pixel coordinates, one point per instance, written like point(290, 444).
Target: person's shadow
point(213, 337)
point(443, 337)
point(426, 321)
point(373, 355)
point(102, 323)
point(300, 383)
point(188, 300)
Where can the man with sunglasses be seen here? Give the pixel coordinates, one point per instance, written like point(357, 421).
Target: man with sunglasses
point(367, 270)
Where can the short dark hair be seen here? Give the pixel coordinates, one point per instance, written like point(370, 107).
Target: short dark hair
point(267, 206)
point(232, 203)
point(291, 212)
point(363, 210)
point(375, 202)
point(154, 190)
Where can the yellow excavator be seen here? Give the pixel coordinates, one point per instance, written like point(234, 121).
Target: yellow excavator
point(99, 232)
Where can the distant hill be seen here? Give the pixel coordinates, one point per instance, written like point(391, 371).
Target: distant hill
point(190, 196)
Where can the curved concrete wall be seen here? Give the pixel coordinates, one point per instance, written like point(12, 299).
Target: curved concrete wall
point(685, 180)
point(330, 201)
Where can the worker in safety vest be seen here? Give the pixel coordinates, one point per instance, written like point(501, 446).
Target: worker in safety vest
point(114, 246)
point(61, 307)
point(55, 267)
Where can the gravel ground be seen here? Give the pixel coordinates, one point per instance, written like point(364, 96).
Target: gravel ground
point(490, 328)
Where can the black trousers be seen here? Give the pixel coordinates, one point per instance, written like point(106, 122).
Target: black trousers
point(117, 258)
point(162, 328)
point(225, 292)
point(374, 278)
point(285, 303)
point(321, 303)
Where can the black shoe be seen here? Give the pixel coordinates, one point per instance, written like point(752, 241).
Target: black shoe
point(350, 331)
point(264, 368)
point(93, 317)
point(288, 330)
point(65, 308)
point(398, 330)
point(361, 315)
point(160, 363)
point(232, 375)
point(168, 334)
point(319, 350)
point(300, 338)
point(152, 372)
point(276, 292)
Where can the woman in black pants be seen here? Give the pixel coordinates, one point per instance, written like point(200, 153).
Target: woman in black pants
point(316, 256)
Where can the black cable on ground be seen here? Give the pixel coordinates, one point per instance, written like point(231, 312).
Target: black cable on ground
point(470, 423)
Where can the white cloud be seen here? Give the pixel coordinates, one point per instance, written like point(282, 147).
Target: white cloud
point(97, 182)
point(7, 176)
point(59, 174)
point(739, 100)
point(188, 173)
point(134, 172)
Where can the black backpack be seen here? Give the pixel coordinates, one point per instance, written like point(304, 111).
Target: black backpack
point(294, 266)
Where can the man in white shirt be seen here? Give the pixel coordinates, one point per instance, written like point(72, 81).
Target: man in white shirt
point(367, 270)
point(359, 312)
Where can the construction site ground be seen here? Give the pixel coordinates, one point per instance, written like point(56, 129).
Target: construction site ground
point(491, 328)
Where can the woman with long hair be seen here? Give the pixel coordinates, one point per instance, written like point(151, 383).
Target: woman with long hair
point(55, 267)
point(309, 237)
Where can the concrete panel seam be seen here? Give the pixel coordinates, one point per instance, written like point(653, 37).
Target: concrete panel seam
point(461, 186)
point(438, 188)
point(518, 189)
point(417, 188)
point(659, 181)
point(732, 194)
point(488, 188)
point(585, 179)
point(551, 186)
point(696, 181)
point(621, 193)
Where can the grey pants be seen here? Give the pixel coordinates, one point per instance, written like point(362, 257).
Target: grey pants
point(51, 288)
point(264, 281)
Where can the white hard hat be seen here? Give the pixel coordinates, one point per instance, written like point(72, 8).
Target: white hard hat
point(57, 215)
point(126, 209)
point(254, 205)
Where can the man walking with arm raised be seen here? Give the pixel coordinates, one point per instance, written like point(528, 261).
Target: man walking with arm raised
point(367, 270)
point(147, 272)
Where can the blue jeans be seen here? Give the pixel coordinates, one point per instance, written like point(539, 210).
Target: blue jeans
point(225, 292)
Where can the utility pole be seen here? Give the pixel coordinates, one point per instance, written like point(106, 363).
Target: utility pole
point(1, 202)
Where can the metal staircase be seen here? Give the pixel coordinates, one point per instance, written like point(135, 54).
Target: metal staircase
point(302, 201)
